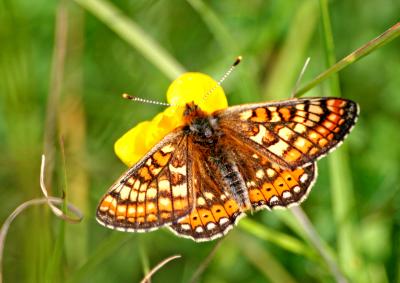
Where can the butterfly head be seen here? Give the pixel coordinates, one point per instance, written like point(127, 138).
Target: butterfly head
point(200, 124)
point(192, 111)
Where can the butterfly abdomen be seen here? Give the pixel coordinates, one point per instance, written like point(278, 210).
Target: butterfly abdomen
point(233, 180)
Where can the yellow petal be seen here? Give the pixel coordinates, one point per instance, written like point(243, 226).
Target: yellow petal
point(193, 87)
point(187, 88)
point(129, 147)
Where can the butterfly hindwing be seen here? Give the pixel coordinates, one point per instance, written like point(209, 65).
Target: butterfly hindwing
point(154, 192)
point(268, 184)
point(215, 210)
point(291, 133)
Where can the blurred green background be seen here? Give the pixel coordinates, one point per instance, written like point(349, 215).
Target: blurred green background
point(63, 66)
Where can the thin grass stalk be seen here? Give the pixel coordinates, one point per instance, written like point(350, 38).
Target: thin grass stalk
point(146, 279)
point(56, 78)
point(33, 202)
point(54, 263)
point(353, 57)
point(52, 202)
point(202, 267)
point(316, 241)
point(340, 176)
point(132, 33)
point(257, 254)
point(279, 239)
point(144, 258)
point(280, 81)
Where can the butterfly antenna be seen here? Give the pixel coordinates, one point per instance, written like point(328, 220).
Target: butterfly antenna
point(303, 70)
point(142, 100)
point(237, 61)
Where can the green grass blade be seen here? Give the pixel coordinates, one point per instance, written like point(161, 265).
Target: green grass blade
point(231, 47)
point(103, 251)
point(340, 177)
point(280, 82)
point(215, 26)
point(318, 243)
point(280, 239)
point(132, 33)
point(361, 52)
point(266, 263)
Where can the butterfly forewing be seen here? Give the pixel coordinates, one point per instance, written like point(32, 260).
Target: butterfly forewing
point(152, 193)
point(291, 133)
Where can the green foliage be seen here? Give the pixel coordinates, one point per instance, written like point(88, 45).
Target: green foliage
point(139, 47)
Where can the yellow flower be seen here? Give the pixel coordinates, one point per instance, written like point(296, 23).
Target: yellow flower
point(189, 87)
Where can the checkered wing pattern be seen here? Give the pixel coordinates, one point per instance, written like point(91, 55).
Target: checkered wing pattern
point(215, 211)
point(291, 133)
point(269, 185)
point(154, 192)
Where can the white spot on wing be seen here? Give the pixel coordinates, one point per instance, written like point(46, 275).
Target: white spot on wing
point(208, 195)
point(179, 190)
point(274, 199)
point(163, 185)
point(270, 172)
point(168, 148)
point(315, 109)
point(201, 201)
point(133, 196)
point(185, 227)
point(286, 194)
point(180, 170)
point(260, 174)
point(285, 133)
point(303, 177)
point(211, 226)
point(151, 193)
point(199, 229)
point(300, 128)
point(278, 148)
point(223, 220)
point(246, 115)
point(259, 137)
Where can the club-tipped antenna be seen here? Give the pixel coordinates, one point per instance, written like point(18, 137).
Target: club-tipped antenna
point(142, 100)
point(303, 70)
point(237, 61)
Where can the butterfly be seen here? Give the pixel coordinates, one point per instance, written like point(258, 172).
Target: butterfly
point(202, 177)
